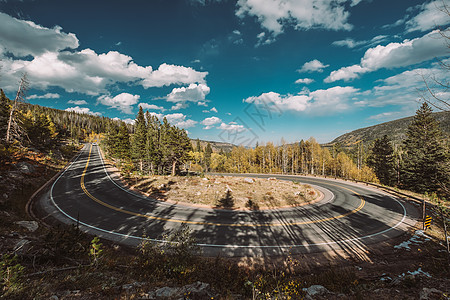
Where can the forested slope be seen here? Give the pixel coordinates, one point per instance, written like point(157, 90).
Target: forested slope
point(395, 130)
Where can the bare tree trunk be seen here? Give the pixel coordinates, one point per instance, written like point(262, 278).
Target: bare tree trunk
point(174, 165)
point(19, 97)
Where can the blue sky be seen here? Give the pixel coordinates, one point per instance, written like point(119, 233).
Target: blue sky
point(234, 71)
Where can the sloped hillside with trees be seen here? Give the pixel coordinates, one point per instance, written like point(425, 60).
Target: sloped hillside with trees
point(394, 130)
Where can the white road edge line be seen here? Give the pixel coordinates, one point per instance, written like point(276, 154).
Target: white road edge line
point(213, 245)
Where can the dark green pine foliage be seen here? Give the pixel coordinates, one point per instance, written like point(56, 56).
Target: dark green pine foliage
point(177, 146)
point(139, 140)
point(426, 163)
point(4, 115)
point(152, 143)
point(199, 147)
point(40, 132)
point(123, 142)
point(208, 152)
point(381, 159)
point(118, 141)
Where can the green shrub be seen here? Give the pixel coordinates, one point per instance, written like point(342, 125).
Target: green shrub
point(11, 273)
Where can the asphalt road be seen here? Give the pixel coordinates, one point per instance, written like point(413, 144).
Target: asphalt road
point(350, 218)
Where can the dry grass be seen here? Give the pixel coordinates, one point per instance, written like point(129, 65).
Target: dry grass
point(226, 192)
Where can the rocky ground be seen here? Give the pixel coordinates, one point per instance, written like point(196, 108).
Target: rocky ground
point(44, 260)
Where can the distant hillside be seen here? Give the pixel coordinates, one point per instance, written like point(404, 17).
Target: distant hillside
point(216, 146)
point(395, 130)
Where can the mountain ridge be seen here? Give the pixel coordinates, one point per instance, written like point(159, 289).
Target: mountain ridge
point(395, 130)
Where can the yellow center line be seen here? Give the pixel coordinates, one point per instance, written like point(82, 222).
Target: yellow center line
point(361, 205)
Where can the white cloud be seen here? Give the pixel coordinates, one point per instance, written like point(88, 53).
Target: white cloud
point(332, 100)
point(192, 93)
point(178, 106)
point(82, 110)
point(393, 55)
point(179, 120)
point(129, 121)
point(274, 15)
point(406, 88)
point(159, 116)
point(346, 73)
point(304, 81)
point(232, 126)
point(23, 38)
point(122, 102)
point(432, 15)
point(312, 66)
point(209, 122)
point(111, 66)
point(82, 71)
point(46, 96)
point(263, 39)
point(213, 110)
point(172, 74)
point(146, 106)
point(202, 103)
point(351, 43)
point(77, 102)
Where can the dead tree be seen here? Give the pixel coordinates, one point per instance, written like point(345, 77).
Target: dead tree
point(13, 130)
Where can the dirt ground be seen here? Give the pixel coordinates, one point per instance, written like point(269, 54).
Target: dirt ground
point(226, 192)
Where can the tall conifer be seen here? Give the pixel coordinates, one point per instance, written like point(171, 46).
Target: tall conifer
point(382, 160)
point(139, 140)
point(426, 163)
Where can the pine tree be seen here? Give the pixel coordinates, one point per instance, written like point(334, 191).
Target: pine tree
point(382, 160)
point(123, 142)
point(4, 115)
point(199, 147)
point(177, 145)
point(139, 139)
point(154, 146)
point(426, 161)
point(208, 152)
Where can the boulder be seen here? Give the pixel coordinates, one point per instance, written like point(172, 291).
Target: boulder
point(30, 225)
point(315, 291)
point(249, 180)
point(426, 293)
point(25, 167)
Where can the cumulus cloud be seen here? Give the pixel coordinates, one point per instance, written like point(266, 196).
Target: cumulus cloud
point(178, 106)
point(431, 16)
point(22, 38)
point(213, 110)
point(331, 100)
point(82, 71)
point(179, 120)
point(232, 127)
point(192, 93)
point(209, 122)
point(82, 110)
point(46, 96)
point(122, 102)
point(312, 66)
point(406, 53)
point(77, 102)
point(402, 89)
point(304, 81)
point(112, 65)
point(275, 15)
point(146, 106)
point(172, 74)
